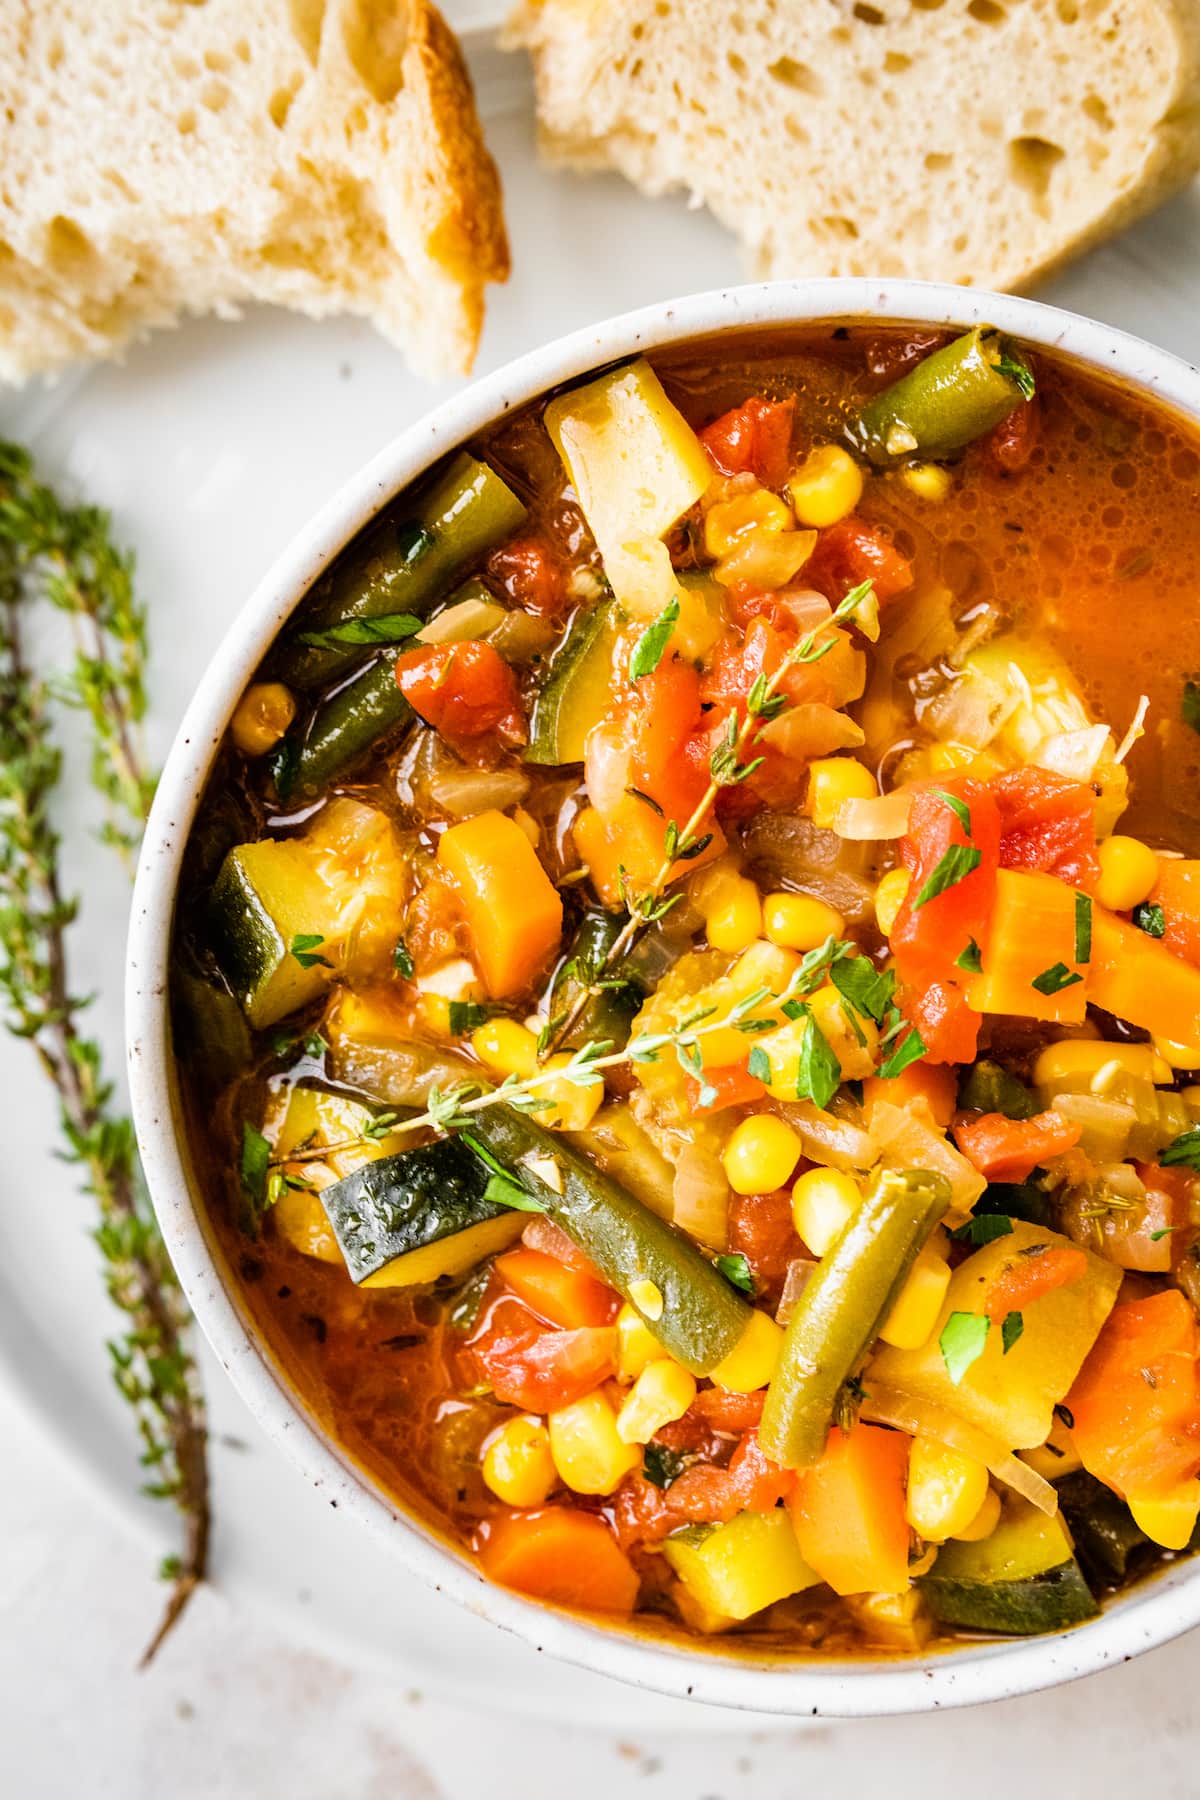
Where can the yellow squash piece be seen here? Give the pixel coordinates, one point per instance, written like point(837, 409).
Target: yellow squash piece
point(637, 467)
point(1032, 932)
point(513, 911)
point(1011, 1395)
point(738, 1568)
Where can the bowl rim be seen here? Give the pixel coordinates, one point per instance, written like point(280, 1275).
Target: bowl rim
point(865, 1687)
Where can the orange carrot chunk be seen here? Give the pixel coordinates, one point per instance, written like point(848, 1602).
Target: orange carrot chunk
point(1136, 1401)
point(1011, 1149)
point(848, 1511)
point(562, 1295)
point(1028, 1278)
point(562, 1555)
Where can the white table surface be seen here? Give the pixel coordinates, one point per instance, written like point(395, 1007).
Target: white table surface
point(239, 1702)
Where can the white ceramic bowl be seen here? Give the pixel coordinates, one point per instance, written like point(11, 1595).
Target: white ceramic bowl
point(1162, 1607)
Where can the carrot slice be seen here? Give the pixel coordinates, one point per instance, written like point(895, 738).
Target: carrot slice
point(1136, 1401)
point(848, 1511)
point(562, 1555)
point(1028, 1278)
point(1011, 1149)
point(562, 1295)
point(731, 1086)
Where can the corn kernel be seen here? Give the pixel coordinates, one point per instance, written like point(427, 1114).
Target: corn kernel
point(832, 779)
point(1128, 873)
point(942, 758)
point(827, 485)
point(853, 1040)
point(761, 1153)
point(637, 1345)
point(587, 1452)
point(730, 520)
point(945, 1489)
point(661, 1394)
point(984, 1522)
point(264, 712)
point(735, 920)
point(1073, 1064)
point(929, 481)
point(752, 1361)
point(647, 1297)
point(915, 1312)
point(799, 922)
point(1169, 1518)
point(889, 898)
point(823, 1202)
point(1180, 1056)
point(517, 1464)
point(505, 1047)
point(575, 1105)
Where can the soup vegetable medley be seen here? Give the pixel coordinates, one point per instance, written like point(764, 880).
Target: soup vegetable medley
point(687, 985)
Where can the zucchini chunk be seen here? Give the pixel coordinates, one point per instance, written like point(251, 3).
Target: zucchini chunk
point(1022, 1580)
point(268, 894)
point(578, 686)
point(418, 1215)
point(730, 1572)
point(1108, 1540)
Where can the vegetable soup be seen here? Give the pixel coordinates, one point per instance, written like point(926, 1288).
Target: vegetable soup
point(687, 983)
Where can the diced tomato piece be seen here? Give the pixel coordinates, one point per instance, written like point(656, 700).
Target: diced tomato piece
point(732, 1086)
point(708, 1495)
point(761, 1229)
point(538, 1369)
point(1047, 822)
point(1026, 1278)
point(851, 552)
point(727, 1411)
point(1178, 893)
point(947, 1026)
point(848, 1510)
point(1011, 1149)
point(467, 692)
point(754, 437)
point(1011, 443)
point(560, 1554)
point(888, 358)
point(737, 664)
point(1148, 1238)
point(1136, 1401)
point(530, 575)
point(559, 1294)
point(667, 756)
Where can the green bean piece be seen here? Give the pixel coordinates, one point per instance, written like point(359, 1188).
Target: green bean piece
point(952, 397)
point(613, 996)
point(846, 1300)
point(402, 568)
point(685, 1301)
point(343, 728)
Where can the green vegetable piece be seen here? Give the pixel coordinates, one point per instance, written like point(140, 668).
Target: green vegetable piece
point(983, 1229)
point(400, 1212)
point(963, 1341)
point(909, 1049)
point(1083, 928)
point(970, 958)
point(845, 1301)
point(953, 866)
point(989, 1088)
point(613, 998)
point(1149, 918)
point(1010, 1330)
point(403, 568)
point(577, 688)
point(736, 1269)
point(650, 648)
point(818, 1071)
point(268, 898)
point(342, 729)
point(1021, 1580)
point(1183, 1152)
point(952, 397)
point(1189, 705)
point(1108, 1542)
point(1054, 979)
point(702, 1318)
point(1018, 1200)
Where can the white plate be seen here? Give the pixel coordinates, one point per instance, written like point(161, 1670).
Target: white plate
point(211, 446)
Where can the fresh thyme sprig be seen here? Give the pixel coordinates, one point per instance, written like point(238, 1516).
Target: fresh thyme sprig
point(728, 766)
point(64, 555)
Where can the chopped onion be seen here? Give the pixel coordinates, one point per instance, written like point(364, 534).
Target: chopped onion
point(811, 729)
point(793, 852)
point(701, 1195)
point(906, 1412)
point(807, 608)
point(457, 624)
point(868, 821)
point(1136, 730)
point(834, 1143)
point(464, 792)
point(907, 1142)
point(521, 635)
point(1105, 1125)
point(1074, 754)
point(795, 1282)
point(766, 559)
point(606, 765)
point(971, 710)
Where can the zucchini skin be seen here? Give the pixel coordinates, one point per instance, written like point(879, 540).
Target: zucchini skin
point(558, 725)
point(1051, 1601)
point(1108, 1543)
point(406, 1202)
point(404, 567)
point(702, 1319)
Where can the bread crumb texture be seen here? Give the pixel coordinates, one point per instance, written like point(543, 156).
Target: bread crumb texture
point(163, 157)
point(976, 141)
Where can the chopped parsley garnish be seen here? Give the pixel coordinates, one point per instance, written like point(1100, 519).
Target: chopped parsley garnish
point(1189, 706)
point(636, 793)
point(402, 960)
point(254, 1168)
point(758, 1064)
point(970, 959)
point(959, 808)
point(1083, 928)
point(1020, 374)
point(863, 988)
point(953, 866)
point(648, 651)
point(1054, 979)
point(909, 1049)
point(1150, 919)
point(1183, 1152)
point(1156, 1237)
point(962, 1342)
point(304, 947)
point(388, 628)
point(983, 1229)
point(818, 1072)
point(466, 1016)
point(1011, 1330)
point(738, 1273)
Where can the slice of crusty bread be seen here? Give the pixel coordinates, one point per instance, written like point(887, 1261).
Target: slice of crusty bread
point(979, 141)
point(161, 157)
